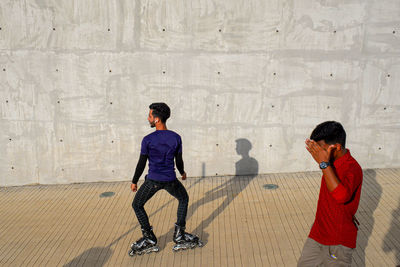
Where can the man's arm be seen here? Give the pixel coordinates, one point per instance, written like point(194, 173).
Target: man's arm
point(339, 191)
point(180, 165)
point(320, 155)
point(139, 169)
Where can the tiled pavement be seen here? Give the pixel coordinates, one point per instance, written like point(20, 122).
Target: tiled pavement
point(242, 222)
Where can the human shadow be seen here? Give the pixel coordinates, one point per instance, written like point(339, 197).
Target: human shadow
point(96, 256)
point(371, 194)
point(245, 170)
point(391, 241)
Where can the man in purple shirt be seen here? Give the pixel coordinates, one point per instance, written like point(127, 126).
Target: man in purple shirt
point(161, 148)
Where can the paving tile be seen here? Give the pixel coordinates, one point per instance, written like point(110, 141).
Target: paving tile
point(241, 222)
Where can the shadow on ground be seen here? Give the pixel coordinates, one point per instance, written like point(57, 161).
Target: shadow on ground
point(391, 241)
point(96, 256)
point(245, 170)
point(368, 204)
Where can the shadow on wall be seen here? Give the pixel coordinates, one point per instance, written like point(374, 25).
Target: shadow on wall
point(96, 256)
point(371, 194)
point(391, 242)
point(245, 170)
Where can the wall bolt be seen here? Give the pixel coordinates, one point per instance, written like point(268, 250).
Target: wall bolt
point(54, 29)
point(220, 30)
point(163, 30)
point(4, 69)
point(331, 75)
point(109, 71)
point(388, 75)
point(384, 108)
point(327, 107)
point(334, 31)
point(12, 168)
point(394, 32)
point(277, 30)
point(110, 103)
point(6, 101)
point(379, 148)
point(61, 140)
point(108, 29)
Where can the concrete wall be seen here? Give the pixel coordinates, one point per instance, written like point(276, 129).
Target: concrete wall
point(76, 79)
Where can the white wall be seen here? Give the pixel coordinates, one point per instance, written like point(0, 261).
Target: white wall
point(267, 71)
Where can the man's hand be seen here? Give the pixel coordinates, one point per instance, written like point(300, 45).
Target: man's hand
point(134, 187)
point(317, 152)
point(184, 176)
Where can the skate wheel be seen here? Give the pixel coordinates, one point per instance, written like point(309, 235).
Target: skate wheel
point(131, 253)
point(200, 244)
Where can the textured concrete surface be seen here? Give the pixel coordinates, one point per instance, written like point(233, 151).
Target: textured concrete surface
point(76, 79)
point(242, 223)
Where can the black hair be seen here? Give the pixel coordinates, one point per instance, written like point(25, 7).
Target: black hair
point(161, 111)
point(331, 132)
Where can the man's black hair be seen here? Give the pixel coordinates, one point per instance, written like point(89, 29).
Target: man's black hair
point(331, 132)
point(161, 111)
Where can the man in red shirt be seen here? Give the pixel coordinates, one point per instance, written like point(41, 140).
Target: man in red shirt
point(333, 235)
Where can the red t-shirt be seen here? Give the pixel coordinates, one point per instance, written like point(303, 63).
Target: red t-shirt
point(333, 223)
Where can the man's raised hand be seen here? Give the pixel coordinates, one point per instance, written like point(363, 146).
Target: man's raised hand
point(317, 152)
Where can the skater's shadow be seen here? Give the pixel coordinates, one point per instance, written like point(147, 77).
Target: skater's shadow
point(391, 241)
point(370, 195)
point(96, 256)
point(245, 170)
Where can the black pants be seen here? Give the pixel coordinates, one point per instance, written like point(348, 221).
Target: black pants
point(148, 189)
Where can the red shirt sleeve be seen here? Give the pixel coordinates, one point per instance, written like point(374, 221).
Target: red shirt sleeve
point(347, 186)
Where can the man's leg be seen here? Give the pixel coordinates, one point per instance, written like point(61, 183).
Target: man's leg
point(145, 192)
point(182, 239)
point(177, 190)
point(311, 254)
point(338, 256)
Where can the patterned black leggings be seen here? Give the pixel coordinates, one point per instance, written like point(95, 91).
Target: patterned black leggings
point(148, 189)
